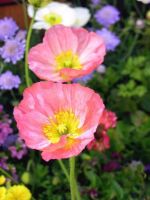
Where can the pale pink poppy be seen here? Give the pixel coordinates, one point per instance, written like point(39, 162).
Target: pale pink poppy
point(58, 119)
point(66, 53)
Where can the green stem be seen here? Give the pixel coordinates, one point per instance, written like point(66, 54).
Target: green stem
point(25, 13)
point(64, 169)
point(77, 191)
point(27, 50)
point(1, 67)
point(72, 177)
point(6, 174)
point(129, 52)
point(137, 9)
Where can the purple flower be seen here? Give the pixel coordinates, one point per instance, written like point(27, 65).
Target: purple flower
point(107, 15)
point(93, 193)
point(21, 35)
point(111, 166)
point(3, 163)
point(12, 51)
point(116, 155)
point(19, 150)
point(95, 2)
point(14, 173)
point(84, 79)
point(147, 168)
point(110, 39)
point(9, 81)
point(5, 130)
point(11, 139)
point(8, 28)
point(1, 108)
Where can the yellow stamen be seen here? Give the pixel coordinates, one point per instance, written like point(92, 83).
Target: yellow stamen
point(63, 123)
point(68, 60)
point(53, 19)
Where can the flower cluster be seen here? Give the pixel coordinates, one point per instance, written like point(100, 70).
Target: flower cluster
point(13, 39)
point(56, 13)
point(10, 141)
point(107, 16)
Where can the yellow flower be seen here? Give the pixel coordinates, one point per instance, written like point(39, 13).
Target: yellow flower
point(2, 179)
point(18, 192)
point(2, 193)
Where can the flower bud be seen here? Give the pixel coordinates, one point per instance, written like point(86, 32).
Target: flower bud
point(55, 181)
point(148, 15)
point(39, 3)
point(140, 24)
point(25, 177)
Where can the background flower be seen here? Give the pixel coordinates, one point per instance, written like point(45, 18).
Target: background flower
point(144, 1)
point(8, 28)
point(52, 14)
point(107, 15)
point(110, 39)
point(96, 2)
point(12, 51)
point(18, 150)
point(18, 192)
point(82, 16)
point(101, 69)
point(21, 35)
point(83, 79)
point(101, 142)
point(9, 81)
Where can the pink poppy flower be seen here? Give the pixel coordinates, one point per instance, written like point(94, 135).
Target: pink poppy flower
point(66, 53)
point(58, 119)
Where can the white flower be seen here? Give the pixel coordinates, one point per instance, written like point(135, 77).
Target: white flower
point(144, 1)
point(82, 16)
point(52, 14)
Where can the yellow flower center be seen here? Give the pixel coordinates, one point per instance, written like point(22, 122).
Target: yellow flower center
point(68, 60)
point(53, 19)
point(63, 123)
